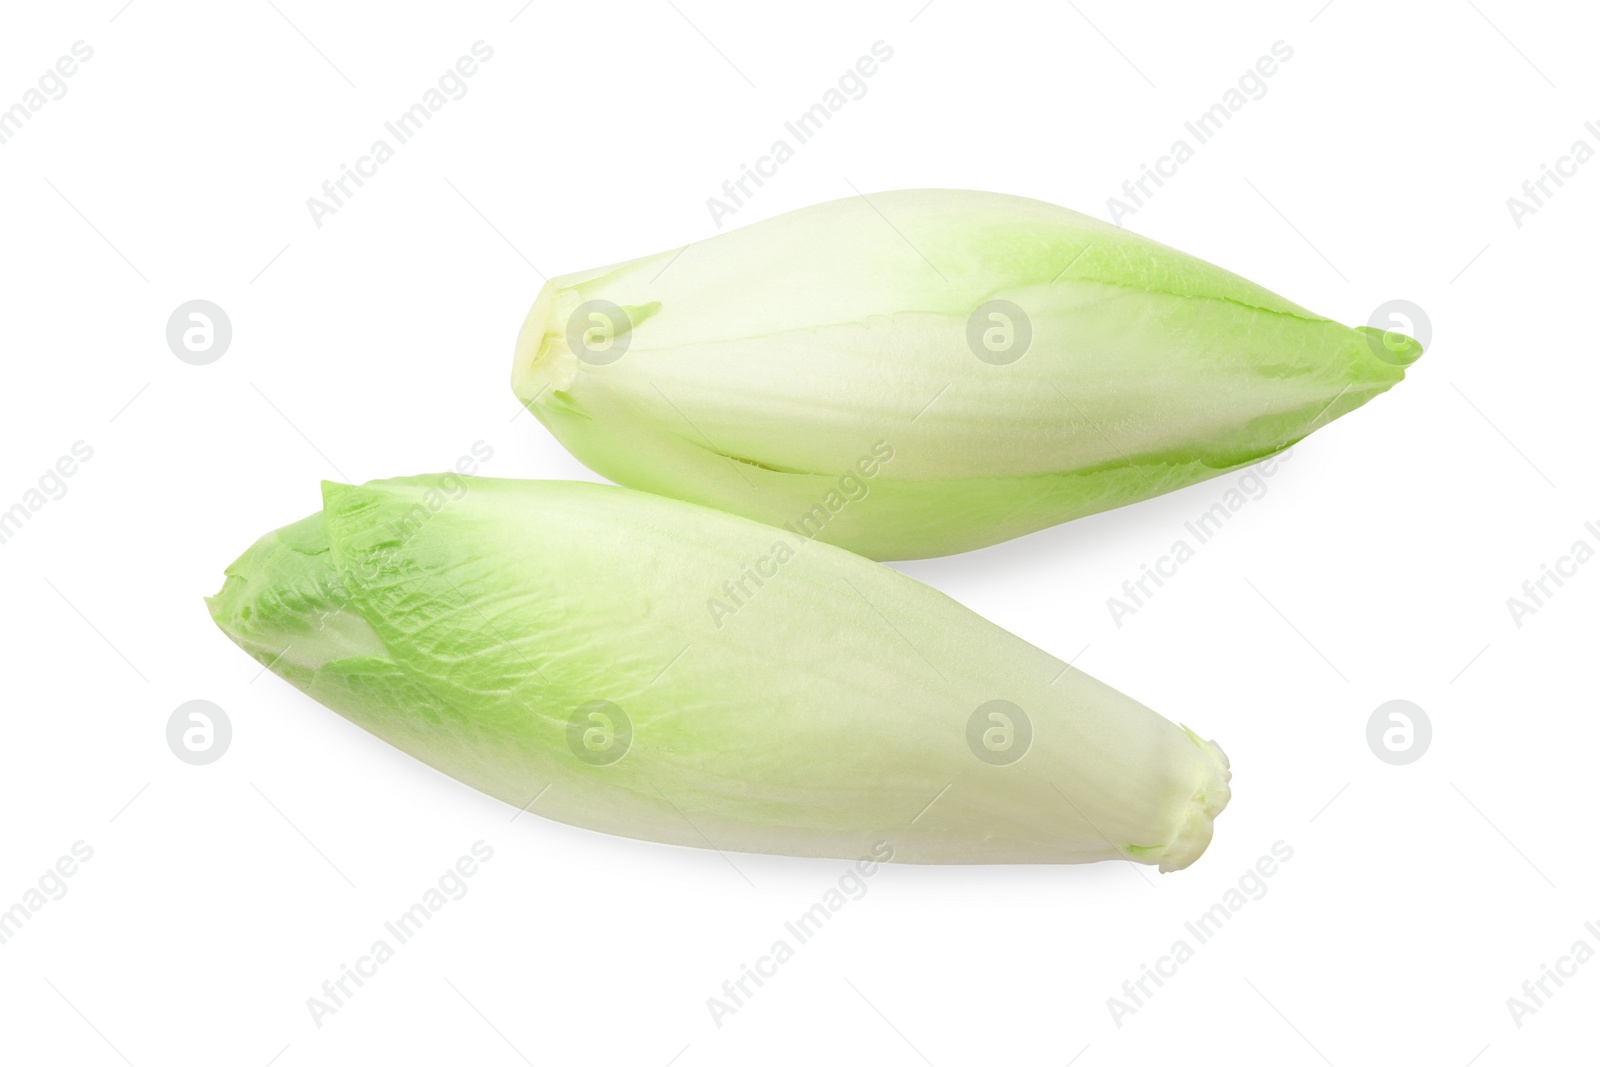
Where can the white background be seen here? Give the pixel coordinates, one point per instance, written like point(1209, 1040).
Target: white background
point(1378, 565)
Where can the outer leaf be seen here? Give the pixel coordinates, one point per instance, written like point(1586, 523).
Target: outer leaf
point(760, 366)
point(775, 695)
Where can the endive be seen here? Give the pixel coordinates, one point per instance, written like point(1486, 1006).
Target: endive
point(556, 644)
point(1023, 364)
